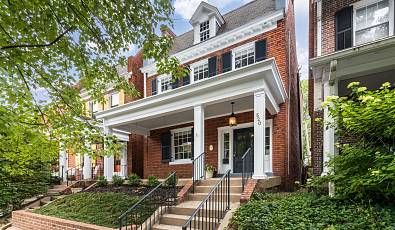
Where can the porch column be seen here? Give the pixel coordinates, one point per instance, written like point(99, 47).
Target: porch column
point(108, 160)
point(124, 160)
point(87, 169)
point(62, 163)
point(259, 134)
point(198, 133)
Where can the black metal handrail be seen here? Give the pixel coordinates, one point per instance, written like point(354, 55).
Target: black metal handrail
point(198, 170)
point(146, 212)
point(248, 167)
point(213, 207)
point(70, 176)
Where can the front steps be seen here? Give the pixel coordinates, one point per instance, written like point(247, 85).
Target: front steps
point(179, 214)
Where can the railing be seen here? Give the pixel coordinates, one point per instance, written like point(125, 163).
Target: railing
point(248, 167)
point(213, 208)
point(97, 171)
point(73, 174)
point(146, 212)
point(198, 170)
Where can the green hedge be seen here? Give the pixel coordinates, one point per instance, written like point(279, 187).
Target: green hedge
point(310, 211)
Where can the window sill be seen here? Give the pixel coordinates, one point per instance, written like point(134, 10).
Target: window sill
point(181, 162)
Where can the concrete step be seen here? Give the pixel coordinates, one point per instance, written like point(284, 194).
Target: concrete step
point(166, 227)
point(188, 207)
point(234, 197)
point(179, 220)
point(75, 190)
point(207, 189)
point(236, 181)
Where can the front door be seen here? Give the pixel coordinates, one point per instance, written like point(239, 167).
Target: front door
point(242, 140)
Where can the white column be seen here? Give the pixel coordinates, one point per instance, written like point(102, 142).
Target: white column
point(108, 160)
point(329, 132)
point(259, 134)
point(62, 163)
point(124, 161)
point(87, 170)
point(198, 127)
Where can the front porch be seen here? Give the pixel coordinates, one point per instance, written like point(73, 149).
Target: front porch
point(178, 125)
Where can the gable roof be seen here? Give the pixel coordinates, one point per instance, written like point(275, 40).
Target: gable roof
point(233, 20)
point(211, 8)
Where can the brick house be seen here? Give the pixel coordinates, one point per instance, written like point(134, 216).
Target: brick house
point(242, 63)
point(350, 41)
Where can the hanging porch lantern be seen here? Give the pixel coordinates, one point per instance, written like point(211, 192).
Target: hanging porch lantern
point(232, 119)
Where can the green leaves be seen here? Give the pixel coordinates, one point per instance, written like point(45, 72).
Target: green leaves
point(309, 211)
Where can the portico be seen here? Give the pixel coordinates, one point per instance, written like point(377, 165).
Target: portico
point(190, 114)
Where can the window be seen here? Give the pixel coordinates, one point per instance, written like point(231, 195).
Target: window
point(204, 31)
point(182, 144)
point(165, 83)
point(114, 99)
point(95, 107)
point(226, 148)
point(200, 72)
point(372, 22)
point(244, 57)
point(267, 141)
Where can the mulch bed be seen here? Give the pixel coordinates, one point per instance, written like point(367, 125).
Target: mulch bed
point(131, 190)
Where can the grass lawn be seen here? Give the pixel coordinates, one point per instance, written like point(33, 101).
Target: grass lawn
point(95, 208)
point(310, 211)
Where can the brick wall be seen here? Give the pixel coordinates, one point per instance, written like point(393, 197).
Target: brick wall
point(26, 220)
point(137, 78)
point(317, 137)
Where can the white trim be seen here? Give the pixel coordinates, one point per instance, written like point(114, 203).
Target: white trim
point(240, 49)
point(145, 85)
point(258, 26)
point(181, 162)
point(365, 3)
point(192, 72)
point(319, 27)
point(159, 80)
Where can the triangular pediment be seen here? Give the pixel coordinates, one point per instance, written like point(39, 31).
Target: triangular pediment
point(205, 10)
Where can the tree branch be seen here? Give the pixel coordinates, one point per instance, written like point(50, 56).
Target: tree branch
point(37, 45)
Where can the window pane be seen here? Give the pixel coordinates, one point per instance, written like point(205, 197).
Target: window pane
point(371, 34)
point(182, 145)
point(115, 99)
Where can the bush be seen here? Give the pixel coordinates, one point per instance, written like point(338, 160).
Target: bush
point(309, 211)
point(134, 179)
point(365, 166)
point(172, 181)
point(152, 181)
point(102, 181)
point(117, 180)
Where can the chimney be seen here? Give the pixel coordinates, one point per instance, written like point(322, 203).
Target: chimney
point(166, 31)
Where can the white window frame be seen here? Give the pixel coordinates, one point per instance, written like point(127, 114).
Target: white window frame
point(159, 83)
point(365, 3)
point(240, 49)
point(206, 31)
point(112, 99)
point(193, 66)
point(95, 107)
point(179, 161)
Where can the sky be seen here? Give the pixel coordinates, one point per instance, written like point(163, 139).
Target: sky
point(185, 8)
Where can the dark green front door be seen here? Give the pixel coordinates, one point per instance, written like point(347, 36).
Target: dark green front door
point(242, 140)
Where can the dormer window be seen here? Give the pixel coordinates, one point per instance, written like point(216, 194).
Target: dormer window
point(204, 31)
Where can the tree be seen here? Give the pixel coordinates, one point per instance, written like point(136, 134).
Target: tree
point(47, 46)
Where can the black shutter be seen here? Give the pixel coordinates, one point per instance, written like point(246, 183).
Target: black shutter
point(154, 88)
point(212, 66)
point(260, 50)
point(192, 143)
point(226, 62)
point(344, 28)
point(174, 83)
point(187, 79)
point(165, 140)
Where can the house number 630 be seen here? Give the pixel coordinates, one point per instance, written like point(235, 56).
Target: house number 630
point(258, 119)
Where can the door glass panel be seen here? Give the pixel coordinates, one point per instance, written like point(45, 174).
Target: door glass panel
point(243, 139)
point(267, 141)
point(226, 146)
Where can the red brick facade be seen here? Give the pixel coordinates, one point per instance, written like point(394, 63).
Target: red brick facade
point(137, 77)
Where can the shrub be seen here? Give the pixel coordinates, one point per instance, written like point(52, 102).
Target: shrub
point(134, 179)
point(117, 180)
point(365, 167)
point(309, 211)
point(172, 181)
point(152, 181)
point(102, 181)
